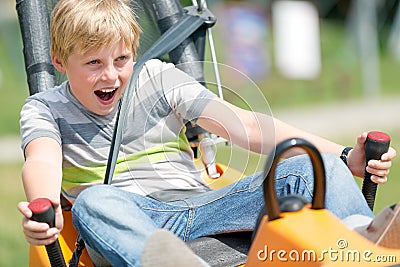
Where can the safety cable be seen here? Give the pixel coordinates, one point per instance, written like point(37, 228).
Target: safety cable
point(200, 8)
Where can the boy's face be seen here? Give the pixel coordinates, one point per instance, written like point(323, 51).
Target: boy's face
point(98, 77)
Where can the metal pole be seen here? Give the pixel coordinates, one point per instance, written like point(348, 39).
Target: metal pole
point(40, 71)
point(168, 12)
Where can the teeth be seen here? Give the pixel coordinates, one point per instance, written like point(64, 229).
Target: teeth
point(107, 90)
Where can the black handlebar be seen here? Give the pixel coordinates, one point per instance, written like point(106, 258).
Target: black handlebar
point(43, 211)
point(376, 145)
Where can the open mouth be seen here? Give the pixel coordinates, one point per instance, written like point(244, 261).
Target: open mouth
point(105, 95)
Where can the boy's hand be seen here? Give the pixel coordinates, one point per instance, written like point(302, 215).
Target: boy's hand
point(378, 168)
point(40, 234)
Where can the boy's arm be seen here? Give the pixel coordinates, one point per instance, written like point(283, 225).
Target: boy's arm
point(42, 172)
point(260, 133)
point(42, 175)
point(255, 131)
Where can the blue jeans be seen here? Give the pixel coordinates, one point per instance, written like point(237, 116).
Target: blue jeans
point(116, 223)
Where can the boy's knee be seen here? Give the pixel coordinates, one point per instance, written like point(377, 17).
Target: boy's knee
point(94, 198)
point(91, 194)
point(333, 164)
point(337, 174)
point(331, 160)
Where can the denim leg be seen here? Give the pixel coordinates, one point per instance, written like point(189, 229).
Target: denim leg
point(110, 221)
point(232, 208)
point(116, 224)
point(344, 197)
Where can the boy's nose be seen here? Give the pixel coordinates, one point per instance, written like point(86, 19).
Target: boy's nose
point(109, 73)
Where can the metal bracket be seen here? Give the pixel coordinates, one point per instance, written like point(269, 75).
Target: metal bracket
point(204, 13)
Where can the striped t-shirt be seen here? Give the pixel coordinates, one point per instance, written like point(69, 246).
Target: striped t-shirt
point(155, 157)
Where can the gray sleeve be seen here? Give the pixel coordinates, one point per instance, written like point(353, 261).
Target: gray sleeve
point(36, 121)
point(184, 94)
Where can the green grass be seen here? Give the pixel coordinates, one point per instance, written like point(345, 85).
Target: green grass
point(13, 247)
point(13, 83)
point(13, 89)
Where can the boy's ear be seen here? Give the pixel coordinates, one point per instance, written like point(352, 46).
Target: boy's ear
point(57, 63)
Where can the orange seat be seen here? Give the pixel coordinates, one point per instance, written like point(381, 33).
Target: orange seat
point(38, 255)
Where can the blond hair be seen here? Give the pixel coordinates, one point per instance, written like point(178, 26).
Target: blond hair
point(87, 24)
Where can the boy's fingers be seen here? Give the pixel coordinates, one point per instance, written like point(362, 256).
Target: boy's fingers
point(41, 240)
point(391, 154)
point(23, 208)
point(379, 165)
point(378, 172)
point(379, 179)
point(34, 227)
point(39, 233)
point(362, 138)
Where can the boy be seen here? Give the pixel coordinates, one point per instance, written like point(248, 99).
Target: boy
point(66, 133)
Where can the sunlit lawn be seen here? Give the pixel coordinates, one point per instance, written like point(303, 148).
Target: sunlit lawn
point(13, 247)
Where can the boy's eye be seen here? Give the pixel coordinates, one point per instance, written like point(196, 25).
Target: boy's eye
point(122, 58)
point(93, 62)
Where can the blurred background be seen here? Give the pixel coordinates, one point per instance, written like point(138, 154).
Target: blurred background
point(330, 67)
